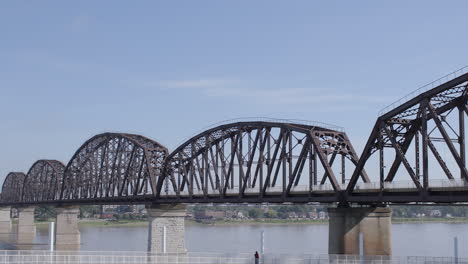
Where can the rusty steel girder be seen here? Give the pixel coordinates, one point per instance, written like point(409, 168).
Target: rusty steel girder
point(236, 158)
point(113, 165)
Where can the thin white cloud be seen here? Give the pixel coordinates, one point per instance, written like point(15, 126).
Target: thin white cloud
point(232, 88)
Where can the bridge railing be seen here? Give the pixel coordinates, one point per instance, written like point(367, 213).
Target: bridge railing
point(362, 186)
point(110, 257)
point(266, 119)
point(424, 88)
point(395, 185)
point(446, 183)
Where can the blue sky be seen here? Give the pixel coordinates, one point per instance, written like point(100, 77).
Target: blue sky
point(166, 69)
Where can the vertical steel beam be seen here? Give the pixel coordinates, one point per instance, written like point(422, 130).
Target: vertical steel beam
point(260, 162)
point(314, 159)
point(343, 169)
point(290, 157)
point(286, 136)
point(448, 141)
point(231, 164)
point(272, 161)
point(399, 153)
point(461, 136)
point(424, 136)
point(269, 161)
point(417, 155)
point(251, 154)
point(311, 166)
point(381, 160)
point(240, 158)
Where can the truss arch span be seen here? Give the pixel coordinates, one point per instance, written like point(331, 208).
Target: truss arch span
point(12, 187)
point(255, 156)
point(113, 165)
point(43, 181)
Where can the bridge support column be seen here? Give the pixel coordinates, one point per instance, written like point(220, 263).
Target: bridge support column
point(5, 220)
point(67, 234)
point(26, 229)
point(346, 224)
point(5, 224)
point(26, 224)
point(166, 228)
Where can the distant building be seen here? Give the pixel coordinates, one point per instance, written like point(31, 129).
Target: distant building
point(107, 216)
point(240, 215)
point(214, 214)
point(109, 208)
point(435, 213)
point(302, 215)
point(208, 214)
point(292, 215)
point(313, 215)
point(230, 214)
point(322, 215)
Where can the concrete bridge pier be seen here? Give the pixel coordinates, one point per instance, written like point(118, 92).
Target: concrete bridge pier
point(166, 228)
point(345, 225)
point(26, 224)
point(5, 220)
point(67, 234)
point(5, 224)
point(26, 229)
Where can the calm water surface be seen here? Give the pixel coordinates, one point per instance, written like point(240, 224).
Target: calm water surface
point(423, 239)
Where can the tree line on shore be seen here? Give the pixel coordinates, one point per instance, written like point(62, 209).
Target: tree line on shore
point(265, 211)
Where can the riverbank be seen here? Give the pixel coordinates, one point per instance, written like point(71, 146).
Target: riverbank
point(136, 223)
point(101, 222)
point(430, 220)
point(259, 222)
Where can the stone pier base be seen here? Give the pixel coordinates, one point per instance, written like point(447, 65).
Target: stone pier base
point(67, 234)
point(5, 220)
point(5, 224)
point(172, 219)
point(26, 221)
point(346, 224)
point(26, 229)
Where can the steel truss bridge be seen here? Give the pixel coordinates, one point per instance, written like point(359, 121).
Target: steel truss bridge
point(273, 161)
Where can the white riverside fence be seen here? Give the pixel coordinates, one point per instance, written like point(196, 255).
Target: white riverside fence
point(111, 257)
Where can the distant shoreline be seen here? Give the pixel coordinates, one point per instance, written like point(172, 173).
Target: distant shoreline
point(139, 223)
point(430, 220)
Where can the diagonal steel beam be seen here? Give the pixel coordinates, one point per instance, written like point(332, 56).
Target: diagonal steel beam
point(299, 162)
point(404, 148)
point(448, 141)
point(272, 162)
point(439, 159)
point(249, 164)
point(399, 153)
point(332, 160)
point(231, 164)
point(326, 166)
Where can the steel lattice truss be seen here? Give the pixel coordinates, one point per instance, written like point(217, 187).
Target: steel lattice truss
point(267, 161)
point(113, 165)
point(43, 181)
point(13, 187)
point(435, 117)
point(243, 159)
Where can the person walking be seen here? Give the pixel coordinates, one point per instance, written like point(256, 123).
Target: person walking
point(257, 258)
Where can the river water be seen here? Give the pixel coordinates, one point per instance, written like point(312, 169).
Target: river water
point(411, 239)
